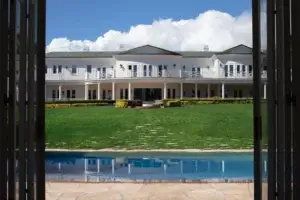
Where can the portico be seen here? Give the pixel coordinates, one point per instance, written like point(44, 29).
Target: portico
point(148, 91)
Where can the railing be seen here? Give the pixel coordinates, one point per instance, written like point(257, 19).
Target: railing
point(204, 73)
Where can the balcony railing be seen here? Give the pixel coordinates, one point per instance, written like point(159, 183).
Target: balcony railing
point(184, 74)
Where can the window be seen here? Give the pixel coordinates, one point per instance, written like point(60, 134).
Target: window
point(235, 94)
point(193, 71)
point(160, 70)
point(54, 69)
point(89, 68)
point(169, 93)
point(250, 69)
point(238, 69)
point(134, 70)
point(90, 94)
point(73, 94)
point(126, 93)
point(165, 67)
point(150, 70)
point(265, 68)
point(145, 70)
point(121, 93)
point(212, 93)
point(59, 69)
point(198, 71)
point(46, 69)
point(231, 70)
point(174, 94)
point(129, 67)
point(243, 70)
point(183, 67)
point(68, 94)
point(98, 69)
point(241, 93)
point(94, 94)
point(74, 69)
point(226, 70)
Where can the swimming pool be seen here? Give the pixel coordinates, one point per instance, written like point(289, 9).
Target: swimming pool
point(128, 167)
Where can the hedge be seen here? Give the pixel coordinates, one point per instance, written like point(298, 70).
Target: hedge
point(171, 102)
point(111, 102)
point(68, 105)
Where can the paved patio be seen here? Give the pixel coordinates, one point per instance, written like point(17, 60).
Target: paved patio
point(153, 191)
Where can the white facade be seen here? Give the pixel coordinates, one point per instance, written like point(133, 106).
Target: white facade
point(150, 73)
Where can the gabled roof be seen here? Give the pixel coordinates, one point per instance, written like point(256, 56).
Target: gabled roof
point(239, 49)
point(149, 50)
point(239, 58)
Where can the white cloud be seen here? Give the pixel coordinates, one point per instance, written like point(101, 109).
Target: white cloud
point(216, 29)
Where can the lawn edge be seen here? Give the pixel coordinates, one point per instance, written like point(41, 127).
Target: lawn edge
point(151, 150)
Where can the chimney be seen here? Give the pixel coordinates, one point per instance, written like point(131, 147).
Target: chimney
point(206, 48)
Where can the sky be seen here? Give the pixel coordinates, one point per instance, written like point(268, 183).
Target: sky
point(181, 25)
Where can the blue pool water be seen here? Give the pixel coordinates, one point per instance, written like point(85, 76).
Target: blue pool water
point(150, 166)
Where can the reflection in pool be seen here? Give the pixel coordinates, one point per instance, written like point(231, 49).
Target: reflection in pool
point(121, 167)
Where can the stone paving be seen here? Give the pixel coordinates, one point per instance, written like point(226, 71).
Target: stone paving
point(152, 191)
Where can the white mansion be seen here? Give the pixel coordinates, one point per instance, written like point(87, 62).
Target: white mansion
point(150, 73)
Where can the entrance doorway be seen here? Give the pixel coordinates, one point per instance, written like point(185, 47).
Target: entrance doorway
point(147, 94)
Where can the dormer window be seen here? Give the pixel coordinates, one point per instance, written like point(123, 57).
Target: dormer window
point(183, 67)
point(129, 67)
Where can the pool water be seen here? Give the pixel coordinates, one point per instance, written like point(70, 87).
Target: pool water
point(142, 166)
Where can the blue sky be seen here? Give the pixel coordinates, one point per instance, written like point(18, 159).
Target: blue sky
point(89, 19)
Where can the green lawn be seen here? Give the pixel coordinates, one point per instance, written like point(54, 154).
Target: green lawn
point(197, 127)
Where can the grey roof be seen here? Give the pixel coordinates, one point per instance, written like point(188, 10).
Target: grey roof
point(240, 58)
point(197, 54)
point(107, 54)
point(237, 50)
point(135, 51)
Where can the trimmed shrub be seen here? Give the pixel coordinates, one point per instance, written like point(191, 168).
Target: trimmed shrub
point(174, 103)
point(121, 104)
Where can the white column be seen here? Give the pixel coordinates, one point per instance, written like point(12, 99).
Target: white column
point(265, 91)
point(86, 92)
point(180, 73)
point(181, 90)
point(223, 90)
point(99, 91)
point(165, 90)
point(113, 91)
point(196, 90)
point(208, 91)
point(60, 92)
point(129, 91)
point(86, 75)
